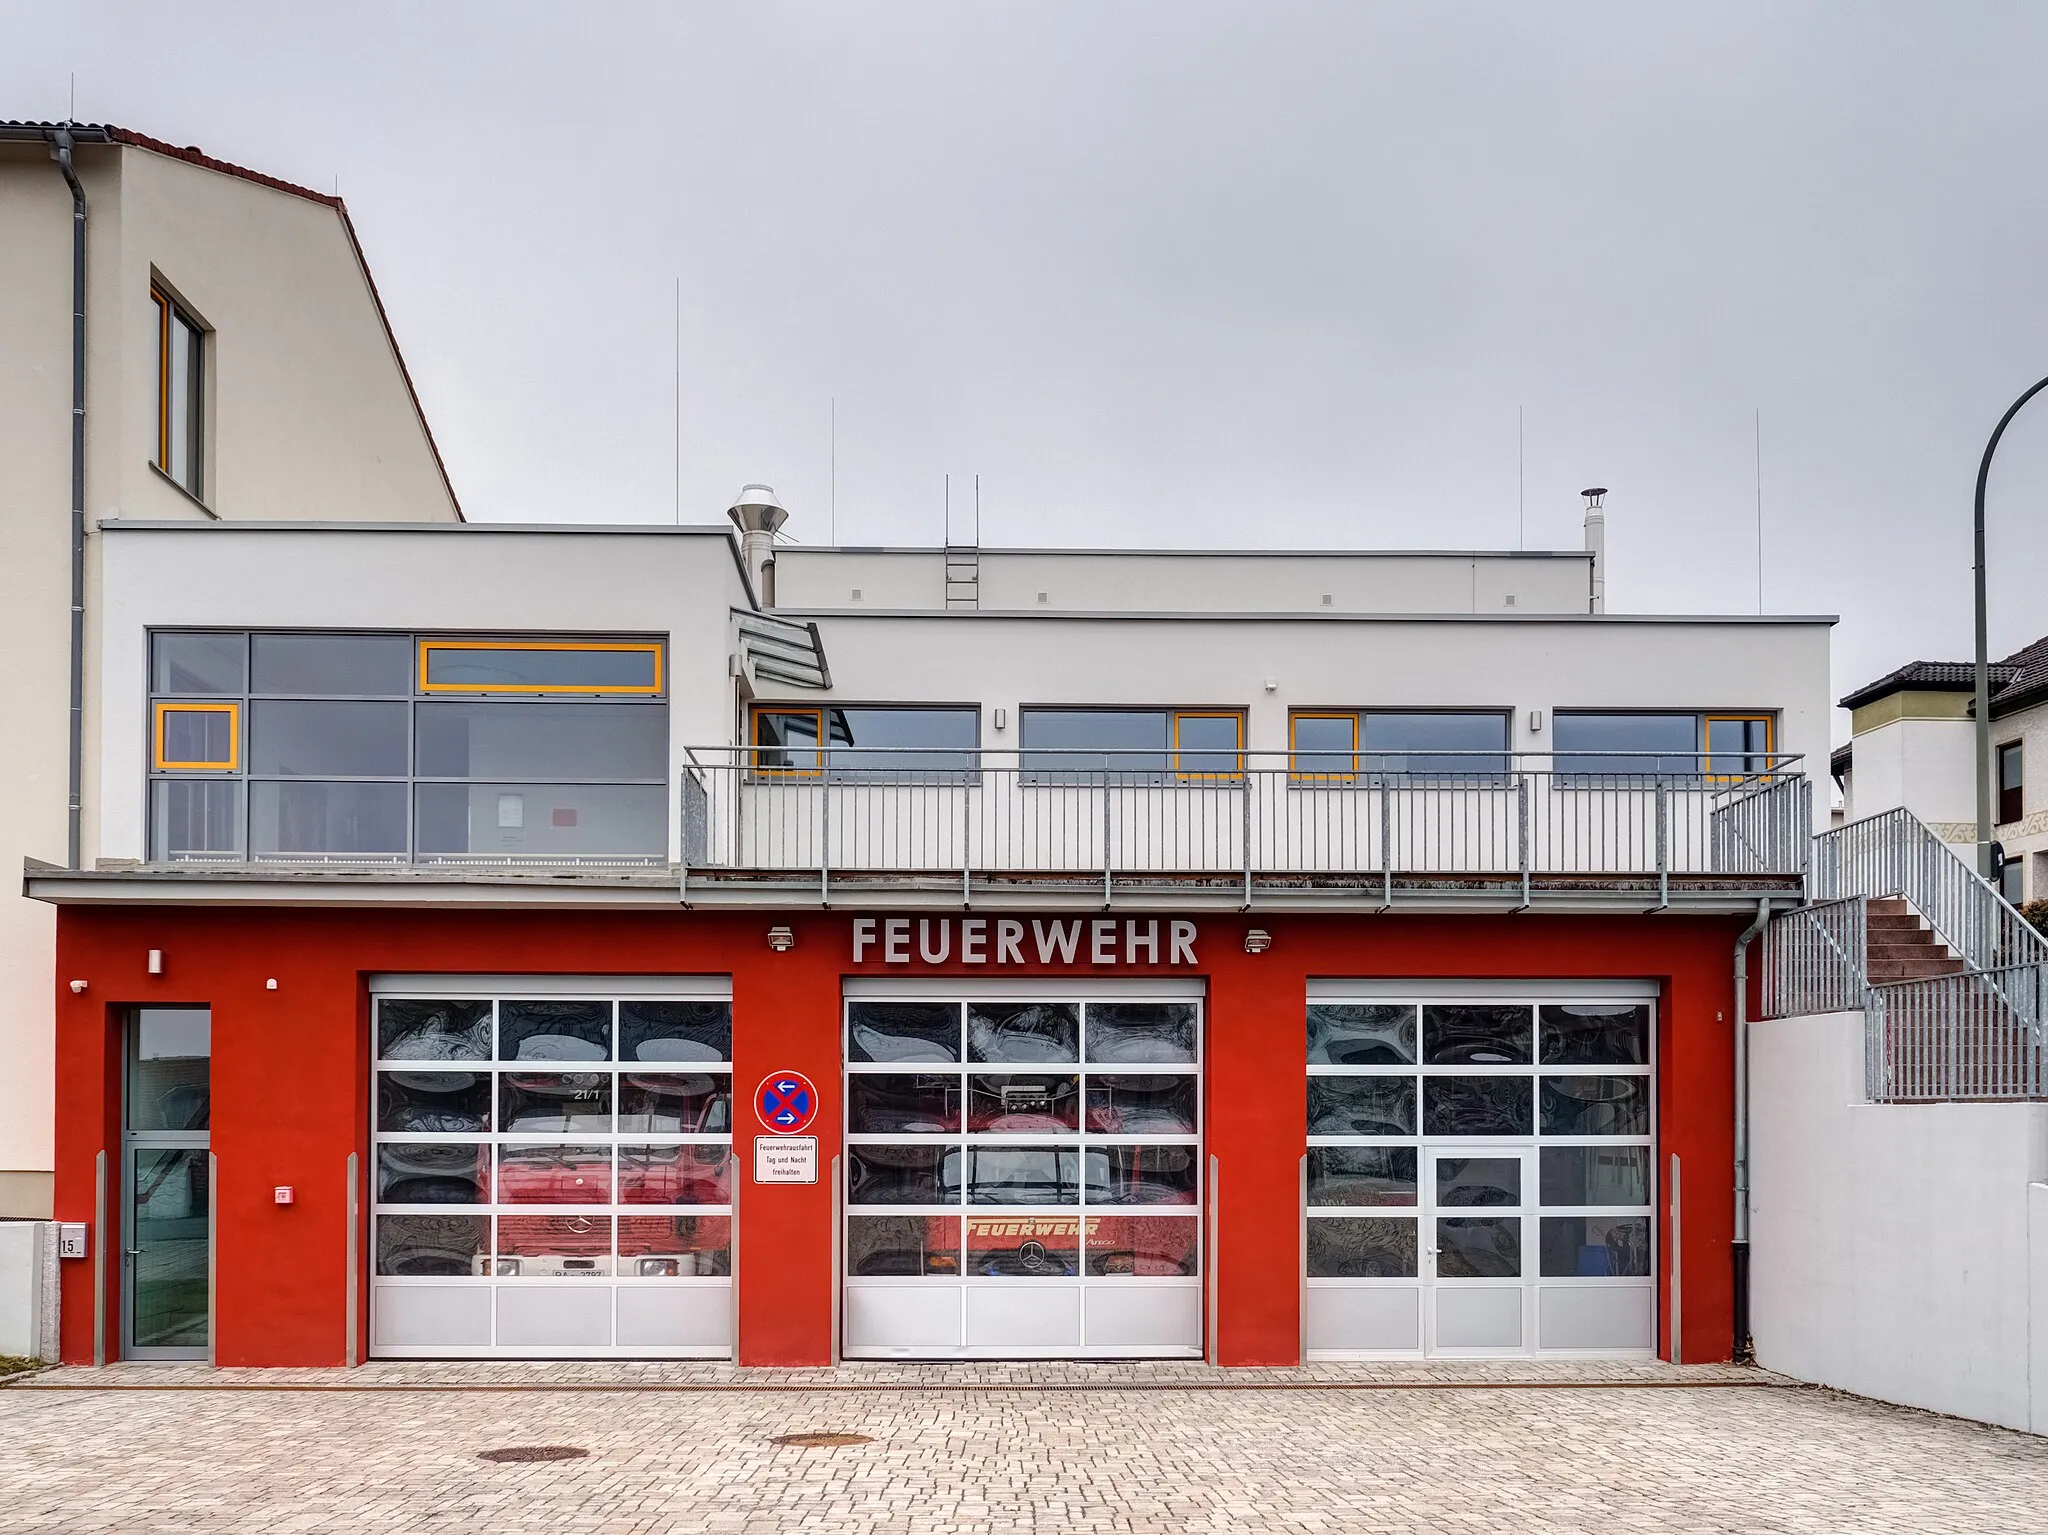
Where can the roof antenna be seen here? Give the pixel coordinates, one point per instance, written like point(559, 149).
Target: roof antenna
point(677, 424)
point(949, 509)
point(1521, 525)
point(72, 120)
point(977, 511)
point(832, 498)
point(1759, 415)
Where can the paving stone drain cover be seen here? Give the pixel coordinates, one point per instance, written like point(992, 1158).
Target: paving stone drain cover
point(819, 1440)
point(524, 1452)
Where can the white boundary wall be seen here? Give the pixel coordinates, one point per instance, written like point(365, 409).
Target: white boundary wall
point(1899, 1251)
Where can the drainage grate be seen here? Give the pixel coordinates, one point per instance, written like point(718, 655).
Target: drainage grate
point(818, 1440)
point(525, 1452)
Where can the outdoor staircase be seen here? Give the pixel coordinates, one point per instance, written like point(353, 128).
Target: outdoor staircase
point(1901, 946)
point(1953, 980)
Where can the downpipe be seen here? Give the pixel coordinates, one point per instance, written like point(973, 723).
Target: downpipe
point(61, 145)
point(1744, 1352)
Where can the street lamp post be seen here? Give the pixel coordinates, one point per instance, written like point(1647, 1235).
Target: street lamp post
point(1983, 656)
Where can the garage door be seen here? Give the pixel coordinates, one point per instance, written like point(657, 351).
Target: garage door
point(1480, 1171)
point(551, 1167)
point(1024, 1175)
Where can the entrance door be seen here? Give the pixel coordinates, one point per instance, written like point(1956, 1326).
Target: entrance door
point(167, 1175)
point(1477, 1258)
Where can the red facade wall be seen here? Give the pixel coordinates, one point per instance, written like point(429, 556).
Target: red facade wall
point(290, 1088)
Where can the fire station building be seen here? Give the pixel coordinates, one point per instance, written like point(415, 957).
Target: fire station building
point(638, 942)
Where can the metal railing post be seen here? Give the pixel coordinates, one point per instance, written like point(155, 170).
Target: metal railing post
point(1105, 838)
point(1663, 843)
point(824, 833)
point(1245, 796)
point(1522, 817)
point(1386, 845)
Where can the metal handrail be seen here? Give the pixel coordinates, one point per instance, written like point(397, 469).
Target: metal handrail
point(1815, 959)
point(1981, 1035)
point(1351, 818)
point(1894, 854)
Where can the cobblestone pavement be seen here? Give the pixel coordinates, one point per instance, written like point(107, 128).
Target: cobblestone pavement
point(979, 1450)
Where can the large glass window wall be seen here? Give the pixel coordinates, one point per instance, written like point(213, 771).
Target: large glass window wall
point(384, 748)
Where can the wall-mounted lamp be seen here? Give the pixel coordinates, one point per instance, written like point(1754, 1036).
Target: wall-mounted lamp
point(1002, 719)
point(1535, 720)
point(1272, 684)
point(1257, 941)
point(781, 939)
point(76, 987)
point(271, 984)
point(156, 961)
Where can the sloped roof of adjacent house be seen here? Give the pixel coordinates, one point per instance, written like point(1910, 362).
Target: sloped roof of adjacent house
point(2016, 681)
point(192, 154)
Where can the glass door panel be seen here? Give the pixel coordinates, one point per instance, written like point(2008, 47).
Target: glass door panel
point(1477, 1255)
point(169, 1209)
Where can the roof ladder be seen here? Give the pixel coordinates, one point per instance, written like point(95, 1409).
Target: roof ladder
point(963, 576)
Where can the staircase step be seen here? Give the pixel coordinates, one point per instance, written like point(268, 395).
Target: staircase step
point(1884, 971)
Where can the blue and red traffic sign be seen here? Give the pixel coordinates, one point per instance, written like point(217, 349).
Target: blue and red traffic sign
point(786, 1102)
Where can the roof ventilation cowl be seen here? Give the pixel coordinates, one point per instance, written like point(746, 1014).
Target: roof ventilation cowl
point(758, 515)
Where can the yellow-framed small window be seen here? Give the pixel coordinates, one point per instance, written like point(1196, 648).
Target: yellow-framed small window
point(789, 743)
point(1208, 745)
point(617, 667)
point(1738, 746)
point(1327, 750)
point(198, 738)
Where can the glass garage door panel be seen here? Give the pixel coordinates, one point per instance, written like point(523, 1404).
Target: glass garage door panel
point(1023, 1178)
point(552, 1176)
point(1479, 1178)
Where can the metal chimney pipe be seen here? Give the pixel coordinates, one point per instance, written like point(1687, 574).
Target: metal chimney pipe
point(758, 514)
point(1596, 545)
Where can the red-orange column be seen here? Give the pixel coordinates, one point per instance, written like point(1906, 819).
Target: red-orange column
point(289, 1067)
point(1257, 1130)
point(785, 1013)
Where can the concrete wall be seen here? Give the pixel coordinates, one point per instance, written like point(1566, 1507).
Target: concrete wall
point(678, 583)
point(310, 417)
point(1108, 581)
point(1899, 1251)
point(28, 1290)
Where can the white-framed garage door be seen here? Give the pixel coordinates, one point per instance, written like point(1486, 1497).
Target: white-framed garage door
point(1023, 1171)
point(1480, 1174)
point(551, 1167)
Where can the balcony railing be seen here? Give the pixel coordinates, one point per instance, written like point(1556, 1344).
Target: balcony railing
point(1240, 824)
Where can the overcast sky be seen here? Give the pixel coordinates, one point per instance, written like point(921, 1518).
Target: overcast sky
point(1259, 274)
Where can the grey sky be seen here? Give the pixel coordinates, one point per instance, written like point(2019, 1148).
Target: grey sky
point(1188, 273)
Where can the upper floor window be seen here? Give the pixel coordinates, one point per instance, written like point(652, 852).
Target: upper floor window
point(1188, 745)
point(865, 741)
point(1336, 745)
point(2011, 783)
point(180, 392)
point(1722, 746)
point(317, 747)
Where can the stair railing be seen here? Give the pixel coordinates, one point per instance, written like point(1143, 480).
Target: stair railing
point(1893, 853)
point(1814, 959)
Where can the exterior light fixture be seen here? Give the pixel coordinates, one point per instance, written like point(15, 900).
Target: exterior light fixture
point(1257, 940)
point(156, 961)
point(781, 939)
point(77, 986)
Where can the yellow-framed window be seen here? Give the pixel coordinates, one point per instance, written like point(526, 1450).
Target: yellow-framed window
point(631, 668)
point(1326, 751)
point(789, 743)
point(1208, 745)
point(198, 738)
point(1738, 746)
